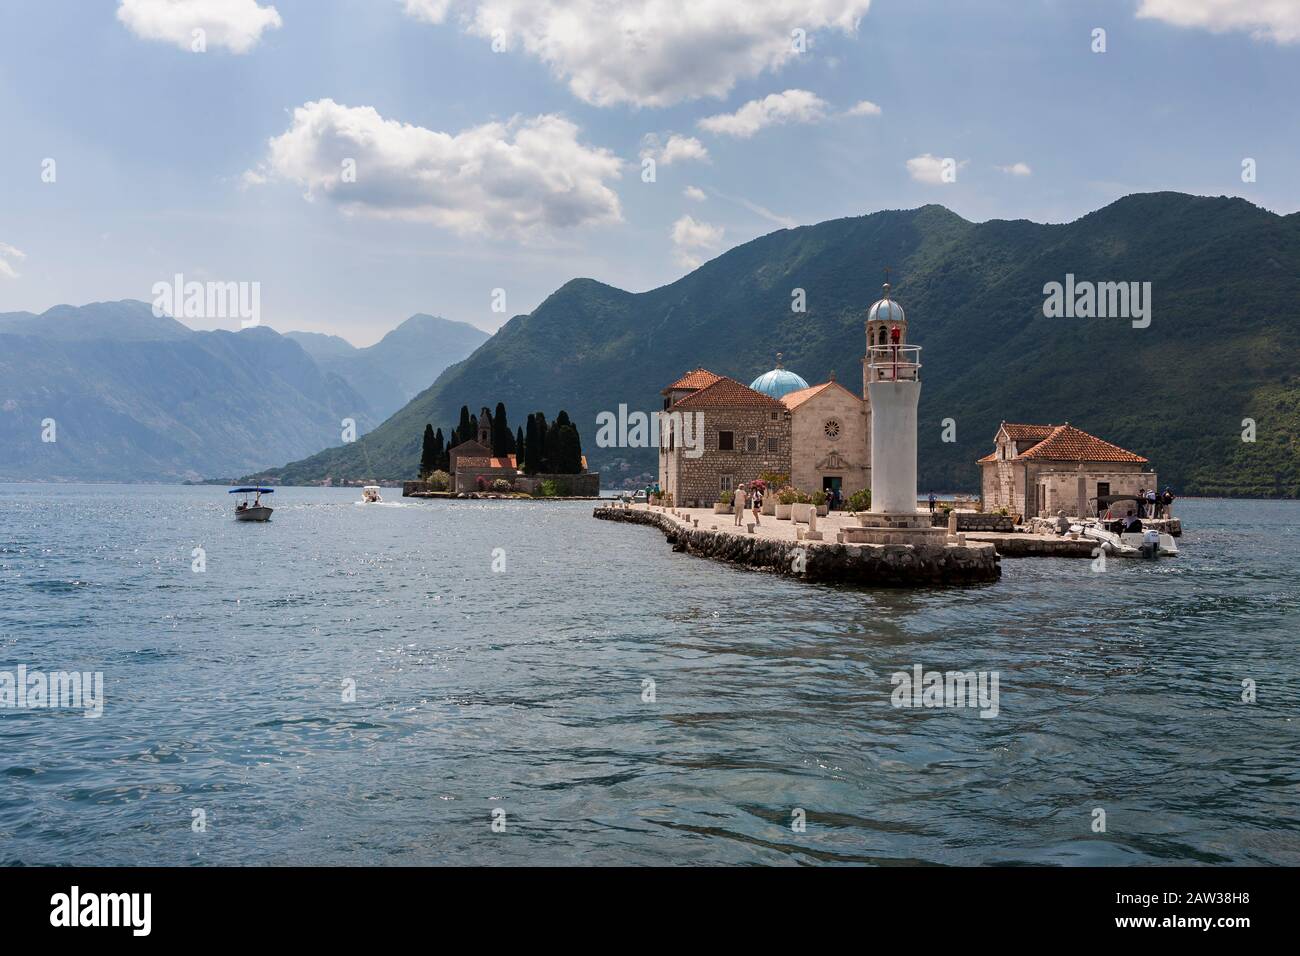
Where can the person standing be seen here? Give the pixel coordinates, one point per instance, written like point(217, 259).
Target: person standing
point(932, 500)
point(1142, 502)
point(756, 502)
point(738, 503)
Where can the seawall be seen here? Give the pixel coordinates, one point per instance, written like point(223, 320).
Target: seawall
point(867, 565)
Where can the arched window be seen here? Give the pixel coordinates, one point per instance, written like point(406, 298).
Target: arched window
point(881, 339)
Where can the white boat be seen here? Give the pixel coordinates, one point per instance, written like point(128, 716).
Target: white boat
point(370, 494)
point(1137, 544)
point(250, 507)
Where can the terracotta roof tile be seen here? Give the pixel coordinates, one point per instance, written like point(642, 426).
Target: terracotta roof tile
point(1025, 432)
point(1067, 443)
point(695, 378)
point(793, 400)
point(990, 457)
point(726, 393)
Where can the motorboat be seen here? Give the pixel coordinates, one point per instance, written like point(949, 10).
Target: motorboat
point(1149, 543)
point(370, 495)
point(249, 507)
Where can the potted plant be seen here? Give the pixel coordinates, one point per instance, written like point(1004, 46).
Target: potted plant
point(859, 501)
point(723, 505)
point(785, 498)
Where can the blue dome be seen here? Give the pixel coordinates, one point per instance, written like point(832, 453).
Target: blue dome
point(778, 382)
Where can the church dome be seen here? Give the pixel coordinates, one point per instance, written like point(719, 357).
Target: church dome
point(780, 381)
point(886, 310)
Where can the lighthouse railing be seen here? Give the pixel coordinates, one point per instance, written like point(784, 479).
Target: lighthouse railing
point(894, 363)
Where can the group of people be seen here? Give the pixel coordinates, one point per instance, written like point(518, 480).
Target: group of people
point(752, 495)
point(1154, 504)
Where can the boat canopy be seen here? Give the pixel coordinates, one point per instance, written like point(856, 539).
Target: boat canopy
point(249, 491)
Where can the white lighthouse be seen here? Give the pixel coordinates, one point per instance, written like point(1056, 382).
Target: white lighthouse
point(893, 373)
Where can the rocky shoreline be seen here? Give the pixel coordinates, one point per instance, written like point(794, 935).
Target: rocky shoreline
point(892, 566)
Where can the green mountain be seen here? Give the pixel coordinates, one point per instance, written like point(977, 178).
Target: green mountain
point(1223, 344)
point(399, 366)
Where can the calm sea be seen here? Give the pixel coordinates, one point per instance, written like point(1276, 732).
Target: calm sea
point(517, 695)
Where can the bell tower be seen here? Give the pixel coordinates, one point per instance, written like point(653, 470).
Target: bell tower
point(882, 317)
point(485, 427)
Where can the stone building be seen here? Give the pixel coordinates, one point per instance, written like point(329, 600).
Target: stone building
point(473, 459)
point(822, 431)
point(1042, 469)
point(745, 433)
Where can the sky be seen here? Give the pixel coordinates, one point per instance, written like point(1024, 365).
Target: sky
point(365, 160)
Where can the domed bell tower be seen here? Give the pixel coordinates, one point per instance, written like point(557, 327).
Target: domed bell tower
point(883, 315)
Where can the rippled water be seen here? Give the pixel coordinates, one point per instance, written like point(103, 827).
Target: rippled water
point(522, 690)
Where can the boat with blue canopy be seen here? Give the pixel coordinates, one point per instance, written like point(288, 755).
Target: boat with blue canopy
point(249, 506)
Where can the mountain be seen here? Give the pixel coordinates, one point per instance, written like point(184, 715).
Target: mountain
point(136, 397)
point(399, 366)
point(1223, 344)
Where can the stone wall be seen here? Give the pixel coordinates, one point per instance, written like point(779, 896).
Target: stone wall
point(868, 565)
point(585, 485)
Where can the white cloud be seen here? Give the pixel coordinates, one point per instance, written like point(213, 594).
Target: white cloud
point(515, 178)
point(929, 169)
point(792, 106)
point(692, 239)
point(7, 252)
point(695, 193)
point(677, 149)
point(1017, 169)
point(651, 52)
point(430, 11)
point(864, 108)
point(1277, 20)
point(236, 25)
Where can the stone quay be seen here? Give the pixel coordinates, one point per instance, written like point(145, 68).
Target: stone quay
point(788, 548)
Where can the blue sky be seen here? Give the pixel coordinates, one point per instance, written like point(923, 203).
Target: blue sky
point(479, 170)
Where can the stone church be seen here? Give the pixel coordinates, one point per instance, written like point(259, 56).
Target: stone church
point(820, 435)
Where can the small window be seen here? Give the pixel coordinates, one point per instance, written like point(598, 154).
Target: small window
point(751, 444)
point(726, 441)
point(774, 416)
point(773, 446)
point(724, 482)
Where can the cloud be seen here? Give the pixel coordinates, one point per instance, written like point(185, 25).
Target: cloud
point(792, 106)
point(650, 52)
point(691, 239)
point(929, 169)
point(695, 193)
point(7, 271)
point(676, 149)
point(430, 11)
point(516, 178)
point(863, 108)
point(1017, 169)
point(1277, 20)
point(236, 25)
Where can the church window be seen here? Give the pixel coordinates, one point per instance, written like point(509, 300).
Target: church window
point(832, 429)
point(726, 441)
point(751, 444)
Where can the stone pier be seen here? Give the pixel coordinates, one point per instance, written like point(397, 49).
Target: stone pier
point(785, 548)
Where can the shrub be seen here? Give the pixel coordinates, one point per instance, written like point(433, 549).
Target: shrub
point(501, 484)
point(439, 481)
point(819, 498)
point(481, 483)
point(859, 500)
point(726, 497)
point(787, 496)
point(549, 488)
point(774, 479)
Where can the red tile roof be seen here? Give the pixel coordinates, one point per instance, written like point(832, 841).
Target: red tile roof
point(793, 400)
point(695, 378)
point(726, 393)
point(1067, 443)
point(992, 456)
point(1027, 432)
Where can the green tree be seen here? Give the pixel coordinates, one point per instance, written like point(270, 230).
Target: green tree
point(519, 447)
point(503, 439)
point(428, 452)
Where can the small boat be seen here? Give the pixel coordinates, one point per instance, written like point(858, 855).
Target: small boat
point(1135, 544)
point(250, 507)
point(370, 494)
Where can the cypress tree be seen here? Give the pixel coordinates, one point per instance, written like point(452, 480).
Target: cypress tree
point(439, 451)
point(530, 446)
point(465, 429)
point(542, 462)
point(472, 434)
point(502, 437)
point(428, 452)
point(519, 447)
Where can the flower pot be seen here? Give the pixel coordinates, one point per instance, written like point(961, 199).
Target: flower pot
point(783, 512)
point(769, 506)
point(801, 512)
point(720, 509)
point(823, 510)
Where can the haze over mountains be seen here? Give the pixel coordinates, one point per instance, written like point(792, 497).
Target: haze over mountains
point(1223, 344)
point(135, 397)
